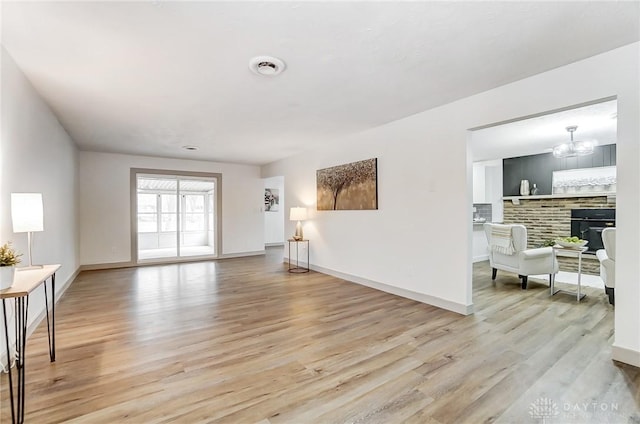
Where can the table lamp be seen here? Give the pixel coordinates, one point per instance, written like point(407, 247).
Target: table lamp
point(27, 216)
point(298, 214)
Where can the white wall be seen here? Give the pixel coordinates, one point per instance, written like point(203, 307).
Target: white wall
point(274, 221)
point(419, 242)
point(479, 189)
point(105, 221)
point(480, 244)
point(493, 184)
point(487, 186)
point(37, 155)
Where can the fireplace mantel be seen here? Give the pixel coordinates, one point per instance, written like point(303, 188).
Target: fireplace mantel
point(610, 195)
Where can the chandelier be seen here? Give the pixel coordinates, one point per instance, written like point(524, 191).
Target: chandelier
point(573, 148)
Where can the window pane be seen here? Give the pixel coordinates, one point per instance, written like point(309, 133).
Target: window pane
point(211, 211)
point(194, 222)
point(168, 203)
point(147, 223)
point(194, 203)
point(168, 222)
point(147, 202)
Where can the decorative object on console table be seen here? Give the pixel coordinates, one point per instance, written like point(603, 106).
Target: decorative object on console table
point(298, 214)
point(8, 261)
point(28, 216)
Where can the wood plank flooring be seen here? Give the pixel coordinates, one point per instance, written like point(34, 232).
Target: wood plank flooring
point(243, 341)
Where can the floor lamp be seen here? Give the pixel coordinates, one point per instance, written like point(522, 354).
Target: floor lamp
point(27, 216)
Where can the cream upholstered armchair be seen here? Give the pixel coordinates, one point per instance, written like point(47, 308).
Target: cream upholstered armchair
point(607, 258)
point(508, 252)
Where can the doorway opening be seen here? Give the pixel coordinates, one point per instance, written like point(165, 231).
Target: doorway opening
point(506, 154)
point(274, 211)
point(175, 216)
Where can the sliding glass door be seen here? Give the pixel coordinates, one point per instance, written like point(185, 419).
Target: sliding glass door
point(175, 216)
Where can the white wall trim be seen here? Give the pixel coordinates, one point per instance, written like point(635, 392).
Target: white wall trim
point(114, 265)
point(480, 258)
point(243, 254)
point(273, 244)
point(419, 297)
point(625, 355)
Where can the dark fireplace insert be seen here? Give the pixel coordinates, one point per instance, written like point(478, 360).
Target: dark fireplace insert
point(589, 223)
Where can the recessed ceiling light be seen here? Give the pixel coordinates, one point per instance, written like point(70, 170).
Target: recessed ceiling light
point(266, 65)
point(189, 147)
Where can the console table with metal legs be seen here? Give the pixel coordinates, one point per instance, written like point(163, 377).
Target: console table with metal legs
point(25, 282)
point(571, 253)
point(297, 267)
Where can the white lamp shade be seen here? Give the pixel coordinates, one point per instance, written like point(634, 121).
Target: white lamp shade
point(27, 212)
point(298, 214)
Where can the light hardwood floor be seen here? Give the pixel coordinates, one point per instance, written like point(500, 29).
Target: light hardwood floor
point(243, 341)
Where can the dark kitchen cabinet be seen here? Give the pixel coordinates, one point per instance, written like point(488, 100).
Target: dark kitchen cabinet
point(538, 169)
point(511, 176)
point(542, 167)
point(596, 159)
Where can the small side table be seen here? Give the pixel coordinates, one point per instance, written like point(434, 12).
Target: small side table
point(297, 268)
point(571, 253)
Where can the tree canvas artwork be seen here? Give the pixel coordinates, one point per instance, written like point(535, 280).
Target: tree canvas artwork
point(353, 186)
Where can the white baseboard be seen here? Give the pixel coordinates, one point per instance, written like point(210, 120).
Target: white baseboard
point(108, 265)
point(274, 244)
point(419, 297)
point(242, 254)
point(114, 265)
point(628, 356)
point(480, 258)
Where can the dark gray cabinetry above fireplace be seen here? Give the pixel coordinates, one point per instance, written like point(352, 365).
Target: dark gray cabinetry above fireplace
point(538, 169)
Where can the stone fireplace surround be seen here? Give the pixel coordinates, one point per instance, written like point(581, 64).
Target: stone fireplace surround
point(550, 217)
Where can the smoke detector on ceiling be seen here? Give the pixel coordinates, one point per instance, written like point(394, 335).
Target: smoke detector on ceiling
point(266, 65)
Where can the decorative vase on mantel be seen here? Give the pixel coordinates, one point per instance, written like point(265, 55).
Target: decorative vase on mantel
point(524, 188)
point(7, 274)
point(534, 190)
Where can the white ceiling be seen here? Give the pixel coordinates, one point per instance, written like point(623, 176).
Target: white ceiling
point(596, 123)
point(150, 77)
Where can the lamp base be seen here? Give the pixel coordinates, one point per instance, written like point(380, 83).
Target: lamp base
point(298, 236)
point(31, 265)
point(27, 268)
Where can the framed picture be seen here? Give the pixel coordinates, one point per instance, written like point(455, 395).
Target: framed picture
point(271, 200)
point(353, 186)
